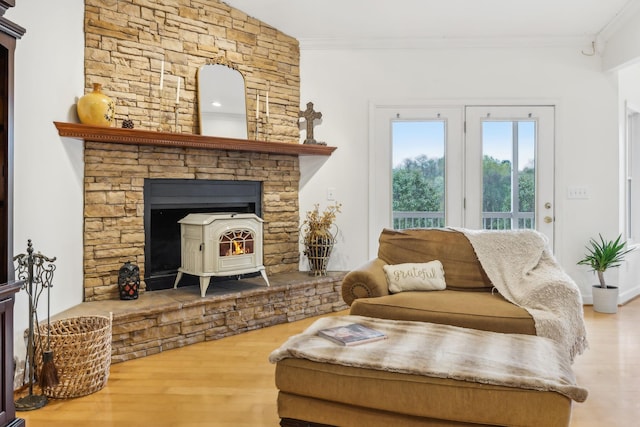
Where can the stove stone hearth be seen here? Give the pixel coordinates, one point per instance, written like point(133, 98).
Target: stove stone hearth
point(114, 212)
point(166, 319)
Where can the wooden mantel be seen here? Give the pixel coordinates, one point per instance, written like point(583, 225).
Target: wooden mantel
point(168, 139)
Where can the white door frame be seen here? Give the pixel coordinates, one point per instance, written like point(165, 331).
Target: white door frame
point(379, 200)
point(380, 167)
point(544, 116)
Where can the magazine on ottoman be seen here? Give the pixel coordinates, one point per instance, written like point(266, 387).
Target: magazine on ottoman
point(352, 334)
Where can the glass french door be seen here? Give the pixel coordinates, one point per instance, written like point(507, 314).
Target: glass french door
point(415, 178)
point(468, 166)
point(418, 169)
point(509, 164)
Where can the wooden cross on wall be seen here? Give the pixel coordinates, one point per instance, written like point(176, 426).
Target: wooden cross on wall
point(309, 116)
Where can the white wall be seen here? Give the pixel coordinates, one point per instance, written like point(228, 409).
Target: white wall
point(49, 76)
point(342, 83)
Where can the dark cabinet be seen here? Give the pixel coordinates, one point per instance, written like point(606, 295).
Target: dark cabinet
point(7, 406)
point(9, 33)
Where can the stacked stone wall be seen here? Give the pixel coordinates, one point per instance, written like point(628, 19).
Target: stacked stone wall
point(114, 204)
point(125, 44)
point(127, 40)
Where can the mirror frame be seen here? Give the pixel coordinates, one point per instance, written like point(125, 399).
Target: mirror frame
point(221, 60)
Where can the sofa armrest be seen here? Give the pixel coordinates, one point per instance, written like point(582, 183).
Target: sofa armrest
point(366, 281)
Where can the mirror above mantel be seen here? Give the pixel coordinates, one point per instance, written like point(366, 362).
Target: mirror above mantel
point(222, 105)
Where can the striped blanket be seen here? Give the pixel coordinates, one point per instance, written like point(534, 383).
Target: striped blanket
point(443, 351)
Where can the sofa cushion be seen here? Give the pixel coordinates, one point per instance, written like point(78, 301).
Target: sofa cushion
point(476, 310)
point(427, 276)
point(461, 266)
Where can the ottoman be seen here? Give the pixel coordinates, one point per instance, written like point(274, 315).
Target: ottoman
point(337, 390)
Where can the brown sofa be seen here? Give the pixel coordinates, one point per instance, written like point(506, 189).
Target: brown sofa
point(467, 301)
point(320, 394)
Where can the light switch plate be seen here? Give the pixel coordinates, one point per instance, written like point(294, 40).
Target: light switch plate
point(577, 192)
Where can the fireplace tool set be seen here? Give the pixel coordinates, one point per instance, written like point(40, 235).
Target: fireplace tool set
point(36, 270)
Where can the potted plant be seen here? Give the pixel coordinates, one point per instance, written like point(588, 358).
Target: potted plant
point(602, 255)
point(319, 235)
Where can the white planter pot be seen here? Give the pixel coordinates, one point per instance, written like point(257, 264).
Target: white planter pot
point(605, 300)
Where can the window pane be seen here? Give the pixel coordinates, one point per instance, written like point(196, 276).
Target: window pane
point(418, 173)
point(526, 168)
point(633, 176)
point(508, 197)
point(497, 152)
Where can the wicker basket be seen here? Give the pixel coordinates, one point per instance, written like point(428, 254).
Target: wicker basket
point(81, 349)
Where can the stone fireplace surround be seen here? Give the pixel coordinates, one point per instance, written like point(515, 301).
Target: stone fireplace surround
point(125, 42)
point(117, 161)
point(114, 203)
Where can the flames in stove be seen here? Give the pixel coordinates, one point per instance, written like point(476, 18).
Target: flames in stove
point(238, 248)
point(236, 242)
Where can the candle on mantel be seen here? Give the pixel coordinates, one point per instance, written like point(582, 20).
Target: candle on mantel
point(162, 75)
point(178, 91)
point(257, 106)
point(267, 108)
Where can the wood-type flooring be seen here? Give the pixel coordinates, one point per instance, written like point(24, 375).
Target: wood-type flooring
point(230, 382)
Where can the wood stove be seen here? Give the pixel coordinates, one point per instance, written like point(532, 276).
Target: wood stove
point(167, 201)
point(220, 244)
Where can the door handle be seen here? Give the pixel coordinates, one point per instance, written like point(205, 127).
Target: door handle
point(548, 219)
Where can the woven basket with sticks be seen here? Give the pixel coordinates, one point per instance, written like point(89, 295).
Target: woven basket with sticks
point(82, 354)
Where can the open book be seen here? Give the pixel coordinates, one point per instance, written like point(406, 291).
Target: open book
point(352, 334)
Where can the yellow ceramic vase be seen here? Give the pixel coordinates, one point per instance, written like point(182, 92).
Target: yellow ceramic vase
point(96, 108)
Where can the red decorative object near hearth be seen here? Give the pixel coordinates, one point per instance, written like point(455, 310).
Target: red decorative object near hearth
point(128, 281)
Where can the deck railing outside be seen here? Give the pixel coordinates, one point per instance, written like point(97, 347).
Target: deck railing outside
point(490, 220)
point(404, 220)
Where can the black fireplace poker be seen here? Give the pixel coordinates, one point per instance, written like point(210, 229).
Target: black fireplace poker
point(36, 270)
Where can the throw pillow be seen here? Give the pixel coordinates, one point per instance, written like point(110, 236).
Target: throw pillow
point(427, 276)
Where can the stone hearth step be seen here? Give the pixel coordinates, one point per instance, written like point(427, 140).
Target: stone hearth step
point(166, 319)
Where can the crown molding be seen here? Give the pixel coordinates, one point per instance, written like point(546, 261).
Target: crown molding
point(620, 20)
point(442, 43)
point(6, 4)
point(11, 28)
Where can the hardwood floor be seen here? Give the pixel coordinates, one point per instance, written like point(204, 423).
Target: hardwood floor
point(230, 382)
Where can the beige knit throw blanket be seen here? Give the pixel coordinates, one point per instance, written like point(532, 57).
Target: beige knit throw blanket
point(521, 267)
point(443, 351)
